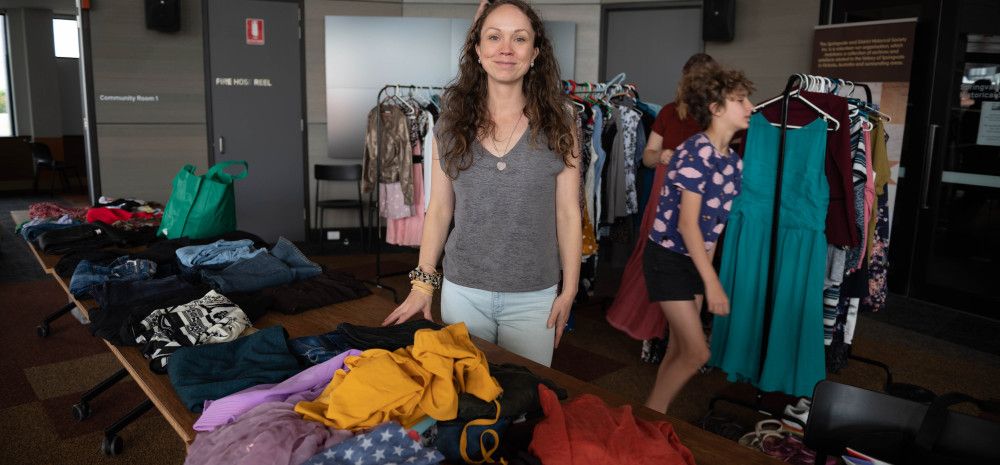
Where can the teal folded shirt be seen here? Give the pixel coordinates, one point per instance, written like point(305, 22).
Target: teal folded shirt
point(213, 371)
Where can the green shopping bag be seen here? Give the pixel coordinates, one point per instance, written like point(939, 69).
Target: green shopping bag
point(202, 206)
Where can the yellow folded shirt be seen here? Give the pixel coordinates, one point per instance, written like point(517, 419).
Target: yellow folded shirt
point(406, 385)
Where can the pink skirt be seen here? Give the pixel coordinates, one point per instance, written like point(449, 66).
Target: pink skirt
point(408, 231)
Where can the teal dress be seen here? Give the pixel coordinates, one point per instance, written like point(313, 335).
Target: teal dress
point(795, 358)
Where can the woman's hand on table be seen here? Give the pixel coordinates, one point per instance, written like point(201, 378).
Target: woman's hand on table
point(416, 302)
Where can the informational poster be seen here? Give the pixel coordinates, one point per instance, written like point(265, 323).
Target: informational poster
point(989, 124)
point(878, 54)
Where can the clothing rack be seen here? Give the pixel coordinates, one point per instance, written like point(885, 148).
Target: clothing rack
point(571, 88)
point(766, 402)
point(377, 237)
point(769, 291)
point(776, 214)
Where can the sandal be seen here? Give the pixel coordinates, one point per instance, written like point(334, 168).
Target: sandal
point(768, 426)
point(750, 441)
point(774, 444)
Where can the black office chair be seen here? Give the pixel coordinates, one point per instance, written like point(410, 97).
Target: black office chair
point(339, 173)
point(843, 415)
point(41, 157)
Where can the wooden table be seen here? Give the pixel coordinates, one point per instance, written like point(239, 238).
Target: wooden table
point(708, 448)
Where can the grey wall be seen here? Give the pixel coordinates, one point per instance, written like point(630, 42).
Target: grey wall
point(34, 74)
point(70, 96)
point(773, 40)
point(142, 145)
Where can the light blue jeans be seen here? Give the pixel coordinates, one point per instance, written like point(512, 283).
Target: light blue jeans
point(515, 321)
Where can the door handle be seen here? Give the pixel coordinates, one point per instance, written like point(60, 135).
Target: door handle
point(928, 158)
point(222, 144)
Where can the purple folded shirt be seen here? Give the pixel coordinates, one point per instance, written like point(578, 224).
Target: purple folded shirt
point(271, 433)
point(306, 385)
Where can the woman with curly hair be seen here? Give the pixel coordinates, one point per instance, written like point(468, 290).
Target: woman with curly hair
point(507, 172)
point(704, 177)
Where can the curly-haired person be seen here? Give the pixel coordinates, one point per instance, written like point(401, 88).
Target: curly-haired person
point(506, 169)
point(703, 179)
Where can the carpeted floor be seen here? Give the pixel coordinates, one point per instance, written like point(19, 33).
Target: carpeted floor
point(43, 378)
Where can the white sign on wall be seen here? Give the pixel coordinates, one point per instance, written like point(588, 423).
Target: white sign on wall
point(989, 124)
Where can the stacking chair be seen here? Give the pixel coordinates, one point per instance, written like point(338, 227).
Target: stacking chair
point(840, 415)
point(339, 173)
point(41, 157)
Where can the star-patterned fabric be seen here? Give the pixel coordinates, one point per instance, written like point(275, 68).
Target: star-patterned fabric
point(697, 167)
point(387, 444)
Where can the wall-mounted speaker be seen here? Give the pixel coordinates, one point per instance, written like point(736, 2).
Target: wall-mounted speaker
point(163, 15)
point(718, 20)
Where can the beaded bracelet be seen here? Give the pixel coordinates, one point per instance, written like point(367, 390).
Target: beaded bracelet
point(433, 279)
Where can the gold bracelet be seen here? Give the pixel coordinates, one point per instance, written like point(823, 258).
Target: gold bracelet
point(423, 291)
point(422, 287)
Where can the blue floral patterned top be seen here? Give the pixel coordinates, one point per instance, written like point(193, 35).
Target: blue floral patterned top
point(697, 167)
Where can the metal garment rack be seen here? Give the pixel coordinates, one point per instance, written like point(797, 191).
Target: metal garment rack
point(776, 212)
point(379, 144)
point(760, 402)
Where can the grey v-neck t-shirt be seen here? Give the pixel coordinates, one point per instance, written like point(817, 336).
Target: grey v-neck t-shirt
point(504, 238)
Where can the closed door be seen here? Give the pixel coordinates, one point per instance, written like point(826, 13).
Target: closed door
point(650, 44)
point(945, 244)
point(962, 198)
point(255, 81)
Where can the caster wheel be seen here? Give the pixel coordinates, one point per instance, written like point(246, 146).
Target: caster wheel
point(112, 446)
point(42, 330)
point(81, 411)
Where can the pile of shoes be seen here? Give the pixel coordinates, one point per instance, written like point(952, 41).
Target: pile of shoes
point(773, 438)
point(796, 416)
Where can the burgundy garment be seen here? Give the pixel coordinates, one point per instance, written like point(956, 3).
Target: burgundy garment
point(840, 216)
point(672, 128)
point(631, 311)
point(586, 430)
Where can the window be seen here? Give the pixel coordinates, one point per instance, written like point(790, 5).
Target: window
point(6, 115)
point(65, 38)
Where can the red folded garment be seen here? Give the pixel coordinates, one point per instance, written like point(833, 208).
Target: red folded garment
point(111, 215)
point(585, 431)
point(631, 311)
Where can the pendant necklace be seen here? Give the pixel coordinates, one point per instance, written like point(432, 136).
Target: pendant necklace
point(501, 164)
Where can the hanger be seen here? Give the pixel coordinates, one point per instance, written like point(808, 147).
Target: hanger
point(871, 109)
point(398, 98)
point(620, 78)
point(430, 96)
point(590, 94)
point(798, 96)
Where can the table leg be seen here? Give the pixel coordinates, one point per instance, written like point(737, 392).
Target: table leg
point(43, 329)
point(81, 410)
point(113, 444)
